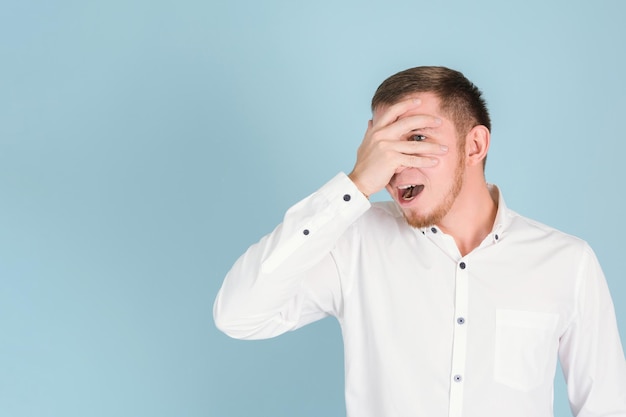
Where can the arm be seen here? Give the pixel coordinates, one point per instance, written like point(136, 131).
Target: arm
point(591, 353)
point(290, 278)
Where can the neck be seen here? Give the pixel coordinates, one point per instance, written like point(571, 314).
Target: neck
point(472, 215)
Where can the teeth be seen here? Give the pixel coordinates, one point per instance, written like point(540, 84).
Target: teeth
point(404, 187)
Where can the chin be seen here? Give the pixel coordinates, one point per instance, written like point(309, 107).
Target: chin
point(417, 220)
point(421, 220)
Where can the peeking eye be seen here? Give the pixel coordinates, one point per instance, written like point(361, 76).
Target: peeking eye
point(418, 138)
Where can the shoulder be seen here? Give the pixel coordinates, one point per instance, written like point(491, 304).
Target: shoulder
point(522, 228)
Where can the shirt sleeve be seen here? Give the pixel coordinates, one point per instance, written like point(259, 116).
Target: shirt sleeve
point(289, 278)
point(591, 352)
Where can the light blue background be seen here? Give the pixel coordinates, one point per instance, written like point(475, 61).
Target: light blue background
point(145, 144)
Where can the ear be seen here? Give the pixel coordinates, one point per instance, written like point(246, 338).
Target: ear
point(477, 145)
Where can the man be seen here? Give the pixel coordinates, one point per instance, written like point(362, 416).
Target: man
point(450, 304)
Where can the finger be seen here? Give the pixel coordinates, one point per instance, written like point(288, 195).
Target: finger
point(394, 111)
point(417, 161)
point(408, 124)
point(419, 148)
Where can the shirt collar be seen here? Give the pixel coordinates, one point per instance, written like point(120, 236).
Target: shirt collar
point(502, 219)
point(500, 223)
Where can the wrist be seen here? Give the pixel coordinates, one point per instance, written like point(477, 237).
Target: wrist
point(358, 185)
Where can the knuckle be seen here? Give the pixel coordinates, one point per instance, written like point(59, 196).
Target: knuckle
point(382, 146)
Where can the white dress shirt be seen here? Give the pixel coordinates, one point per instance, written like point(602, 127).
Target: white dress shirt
point(428, 332)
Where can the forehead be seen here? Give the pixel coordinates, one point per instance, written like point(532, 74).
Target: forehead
point(430, 105)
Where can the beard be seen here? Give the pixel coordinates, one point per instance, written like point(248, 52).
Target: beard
point(420, 221)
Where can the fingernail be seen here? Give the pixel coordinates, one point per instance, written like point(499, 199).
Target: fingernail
point(434, 161)
point(444, 148)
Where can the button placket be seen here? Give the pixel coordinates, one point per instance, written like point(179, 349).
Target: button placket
point(459, 347)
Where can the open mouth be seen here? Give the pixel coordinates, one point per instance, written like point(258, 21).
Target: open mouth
point(409, 192)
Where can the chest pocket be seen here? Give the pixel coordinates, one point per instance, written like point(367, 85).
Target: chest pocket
point(525, 345)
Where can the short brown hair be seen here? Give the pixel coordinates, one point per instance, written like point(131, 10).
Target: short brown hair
point(460, 98)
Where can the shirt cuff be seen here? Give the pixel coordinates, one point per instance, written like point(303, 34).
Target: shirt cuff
point(317, 222)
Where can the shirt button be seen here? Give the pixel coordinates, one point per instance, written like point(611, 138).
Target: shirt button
point(460, 320)
point(497, 237)
point(458, 378)
point(462, 265)
point(346, 197)
point(305, 232)
point(432, 229)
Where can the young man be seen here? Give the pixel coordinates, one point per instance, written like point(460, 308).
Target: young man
point(450, 304)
